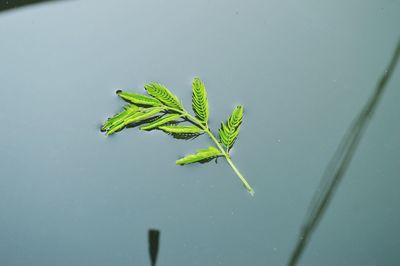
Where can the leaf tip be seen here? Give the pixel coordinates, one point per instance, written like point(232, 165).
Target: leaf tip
point(148, 86)
point(240, 108)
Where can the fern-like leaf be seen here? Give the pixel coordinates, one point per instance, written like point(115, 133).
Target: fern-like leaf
point(229, 131)
point(164, 111)
point(132, 117)
point(138, 98)
point(200, 156)
point(175, 129)
point(129, 110)
point(161, 121)
point(161, 93)
point(199, 100)
point(144, 114)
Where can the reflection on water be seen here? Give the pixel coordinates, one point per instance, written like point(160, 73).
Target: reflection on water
point(11, 4)
point(340, 162)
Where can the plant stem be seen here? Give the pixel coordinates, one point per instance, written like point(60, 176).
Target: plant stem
point(228, 159)
point(245, 183)
point(211, 135)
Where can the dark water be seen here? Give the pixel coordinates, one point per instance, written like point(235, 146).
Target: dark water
point(71, 196)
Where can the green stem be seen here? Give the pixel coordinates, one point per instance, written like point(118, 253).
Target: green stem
point(228, 158)
point(224, 153)
point(245, 183)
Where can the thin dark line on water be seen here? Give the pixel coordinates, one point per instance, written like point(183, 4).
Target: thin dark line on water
point(339, 162)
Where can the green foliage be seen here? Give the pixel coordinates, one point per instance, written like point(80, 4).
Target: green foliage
point(138, 99)
point(161, 93)
point(128, 116)
point(144, 114)
point(163, 110)
point(176, 129)
point(199, 100)
point(229, 131)
point(200, 156)
point(118, 119)
point(161, 121)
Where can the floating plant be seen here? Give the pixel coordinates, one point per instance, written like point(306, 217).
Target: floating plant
point(162, 110)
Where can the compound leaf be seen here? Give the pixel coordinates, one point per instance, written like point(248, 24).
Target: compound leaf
point(164, 111)
point(161, 121)
point(144, 114)
point(229, 131)
point(131, 117)
point(236, 118)
point(175, 129)
point(200, 156)
point(129, 110)
point(138, 98)
point(161, 93)
point(199, 100)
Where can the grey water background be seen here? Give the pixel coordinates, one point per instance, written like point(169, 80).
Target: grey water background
point(302, 69)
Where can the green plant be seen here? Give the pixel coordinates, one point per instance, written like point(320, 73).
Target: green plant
point(164, 111)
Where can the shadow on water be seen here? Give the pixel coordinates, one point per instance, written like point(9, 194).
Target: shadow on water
point(154, 243)
point(184, 136)
point(6, 5)
point(339, 163)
